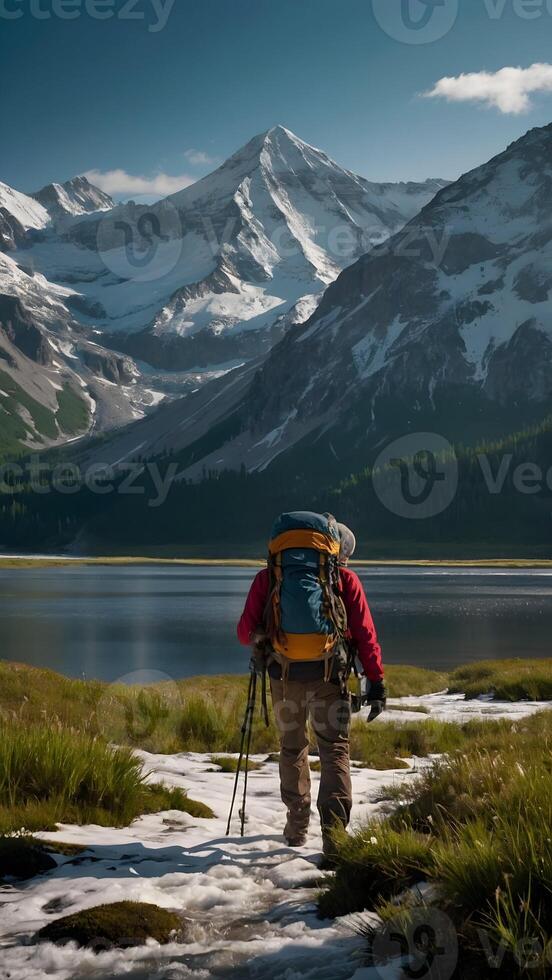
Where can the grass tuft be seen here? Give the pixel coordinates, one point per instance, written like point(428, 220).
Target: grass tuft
point(505, 680)
point(48, 776)
point(158, 798)
point(229, 763)
point(403, 681)
point(386, 746)
point(376, 863)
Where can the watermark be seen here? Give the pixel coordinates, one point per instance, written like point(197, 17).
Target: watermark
point(416, 476)
point(144, 698)
point(141, 243)
point(144, 242)
point(153, 13)
point(132, 478)
point(427, 21)
point(416, 21)
point(528, 478)
point(524, 9)
point(424, 939)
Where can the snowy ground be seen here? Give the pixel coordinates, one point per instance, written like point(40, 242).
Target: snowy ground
point(249, 903)
point(453, 707)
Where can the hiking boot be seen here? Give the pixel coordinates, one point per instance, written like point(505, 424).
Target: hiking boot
point(328, 862)
point(298, 841)
point(297, 825)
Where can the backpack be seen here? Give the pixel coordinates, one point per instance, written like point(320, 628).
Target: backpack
point(305, 618)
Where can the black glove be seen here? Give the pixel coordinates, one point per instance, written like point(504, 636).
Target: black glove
point(257, 663)
point(376, 698)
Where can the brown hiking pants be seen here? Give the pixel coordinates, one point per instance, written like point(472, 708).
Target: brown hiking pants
point(330, 717)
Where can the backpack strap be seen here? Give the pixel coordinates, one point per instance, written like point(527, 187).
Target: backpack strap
point(334, 607)
point(273, 610)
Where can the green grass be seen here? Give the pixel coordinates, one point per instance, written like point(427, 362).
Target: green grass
point(229, 763)
point(477, 825)
point(158, 798)
point(418, 709)
point(72, 414)
point(45, 562)
point(187, 555)
point(51, 775)
point(202, 714)
point(506, 680)
point(373, 865)
point(205, 714)
point(121, 924)
point(383, 746)
point(403, 681)
point(66, 772)
point(14, 430)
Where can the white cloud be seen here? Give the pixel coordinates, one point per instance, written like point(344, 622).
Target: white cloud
point(508, 90)
point(120, 182)
point(199, 158)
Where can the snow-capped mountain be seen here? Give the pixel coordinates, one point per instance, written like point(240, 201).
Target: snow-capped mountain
point(23, 215)
point(266, 233)
point(18, 214)
point(74, 197)
point(56, 381)
point(212, 276)
point(218, 271)
point(446, 327)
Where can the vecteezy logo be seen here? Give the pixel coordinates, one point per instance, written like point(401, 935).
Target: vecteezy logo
point(140, 242)
point(416, 21)
point(424, 938)
point(139, 703)
point(416, 476)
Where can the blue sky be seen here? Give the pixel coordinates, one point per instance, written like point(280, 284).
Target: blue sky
point(121, 94)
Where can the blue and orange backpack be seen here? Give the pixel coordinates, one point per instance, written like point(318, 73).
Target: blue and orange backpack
point(305, 618)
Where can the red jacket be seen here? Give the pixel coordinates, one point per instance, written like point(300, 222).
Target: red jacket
point(361, 626)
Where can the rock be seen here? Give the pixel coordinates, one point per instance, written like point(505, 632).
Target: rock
point(23, 857)
point(18, 326)
point(120, 925)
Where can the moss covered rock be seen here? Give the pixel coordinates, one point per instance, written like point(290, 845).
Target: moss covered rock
point(23, 857)
point(121, 924)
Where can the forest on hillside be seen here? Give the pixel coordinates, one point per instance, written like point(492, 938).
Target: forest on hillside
point(502, 503)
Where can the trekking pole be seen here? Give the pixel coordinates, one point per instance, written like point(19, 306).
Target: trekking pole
point(249, 733)
point(245, 732)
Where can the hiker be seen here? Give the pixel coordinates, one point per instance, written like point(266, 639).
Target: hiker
point(309, 614)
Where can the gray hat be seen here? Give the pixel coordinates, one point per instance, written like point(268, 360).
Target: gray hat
point(348, 542)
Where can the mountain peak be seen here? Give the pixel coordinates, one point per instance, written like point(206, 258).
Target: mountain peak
point(280, 132)
point(74, 197)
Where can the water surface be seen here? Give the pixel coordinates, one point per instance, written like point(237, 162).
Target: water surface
point(107, 622)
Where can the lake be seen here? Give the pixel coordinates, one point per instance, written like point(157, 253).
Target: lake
point(108, 622)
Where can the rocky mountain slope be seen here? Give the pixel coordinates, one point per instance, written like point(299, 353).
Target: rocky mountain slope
point(56, 381)
point(446, 327)
point(18, 215)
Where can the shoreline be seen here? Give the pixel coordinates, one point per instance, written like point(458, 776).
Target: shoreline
point(60, 561)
